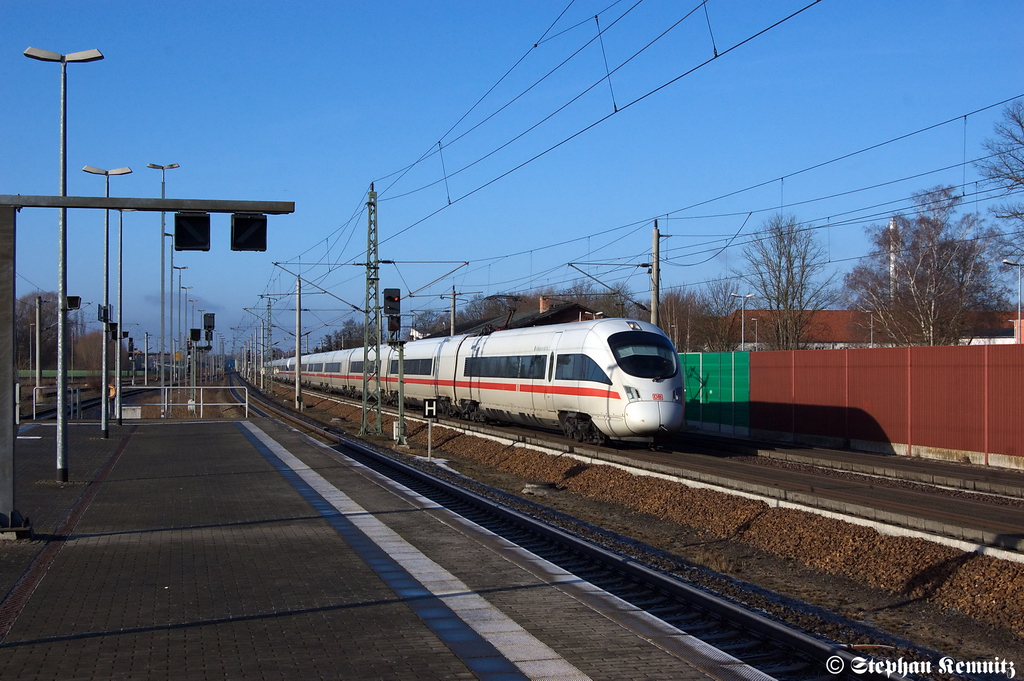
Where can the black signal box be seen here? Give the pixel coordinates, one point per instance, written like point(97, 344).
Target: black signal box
point(248, 232)
point(392, 301)
point(191, 231)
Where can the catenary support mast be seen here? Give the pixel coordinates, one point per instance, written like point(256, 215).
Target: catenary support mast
point(371, 422)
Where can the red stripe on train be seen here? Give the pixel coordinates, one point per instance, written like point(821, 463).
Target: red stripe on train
point(480, 385)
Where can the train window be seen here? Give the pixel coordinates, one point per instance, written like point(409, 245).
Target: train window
point(644, 354)
point(355, 366)
point(531, 366)
point(332, 367)
point(316, 368)
point(415, 367)
point(576, 367)
point(515, 366)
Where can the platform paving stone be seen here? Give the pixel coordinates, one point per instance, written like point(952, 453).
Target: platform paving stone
point(179, 551)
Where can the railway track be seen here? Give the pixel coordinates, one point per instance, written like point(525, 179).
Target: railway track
point(957, 516)
point(91, 403)
point(767, 644)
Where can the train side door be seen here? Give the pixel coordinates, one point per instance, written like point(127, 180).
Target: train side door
point(435, 373)
point(550, 398)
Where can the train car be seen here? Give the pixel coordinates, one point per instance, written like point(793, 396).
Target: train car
point(599, 379)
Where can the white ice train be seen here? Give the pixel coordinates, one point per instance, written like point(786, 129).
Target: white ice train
point(606, 378)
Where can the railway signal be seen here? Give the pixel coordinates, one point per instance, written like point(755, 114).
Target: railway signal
point(393, 309)
point(392, 301)
point(248, 232)
point(191, 231)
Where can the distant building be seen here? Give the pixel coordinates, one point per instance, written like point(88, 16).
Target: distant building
point(544, 315)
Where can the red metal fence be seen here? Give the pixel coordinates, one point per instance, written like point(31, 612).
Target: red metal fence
point(962, 402)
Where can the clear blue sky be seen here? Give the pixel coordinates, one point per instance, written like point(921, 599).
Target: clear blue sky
point(311, 102)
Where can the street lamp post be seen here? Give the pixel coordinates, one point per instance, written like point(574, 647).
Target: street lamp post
point(62, 247)
point(197, 365)
point(743, 319)
point(121, 328)
point(107, 320)
point(39, 321)
point(175, 341)
point(190, 356)
point(163, 293)
point(182, 309)
point(1018, 265)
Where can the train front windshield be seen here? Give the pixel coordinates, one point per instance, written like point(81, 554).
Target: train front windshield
point(644, 355)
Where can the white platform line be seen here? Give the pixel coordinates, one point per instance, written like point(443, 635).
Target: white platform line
point(533, 657)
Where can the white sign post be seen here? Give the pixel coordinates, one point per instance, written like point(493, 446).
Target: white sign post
point(430, 413)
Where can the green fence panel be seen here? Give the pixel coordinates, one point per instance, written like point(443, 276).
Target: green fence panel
point(717, 390)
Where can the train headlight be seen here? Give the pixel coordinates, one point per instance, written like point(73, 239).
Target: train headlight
point(677, 395)
point(632, 393)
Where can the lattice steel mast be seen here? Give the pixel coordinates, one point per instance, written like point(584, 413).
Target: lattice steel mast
point(371, 423)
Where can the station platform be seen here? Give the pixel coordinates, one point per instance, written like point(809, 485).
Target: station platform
point(244, 549)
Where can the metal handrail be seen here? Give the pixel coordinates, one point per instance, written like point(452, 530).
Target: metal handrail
point(75, 404)
point(192, 404)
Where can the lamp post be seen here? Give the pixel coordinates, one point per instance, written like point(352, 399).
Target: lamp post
point(200, 364)
point(62, 247)
point(182, 309)
point(190, 356)
point(104, 422)
point(38, 325)
point(121, 333)
point(743, 319)
point(1018, 265)
point(163, 293)
point(175, 341)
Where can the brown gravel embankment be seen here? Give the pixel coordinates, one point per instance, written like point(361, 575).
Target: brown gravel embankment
point(982, 587)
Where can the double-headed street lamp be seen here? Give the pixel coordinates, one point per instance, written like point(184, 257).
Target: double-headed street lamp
point(743, 319)
point(163, 293)
point(106, 317)
point(1018, 265)
point(62, 263)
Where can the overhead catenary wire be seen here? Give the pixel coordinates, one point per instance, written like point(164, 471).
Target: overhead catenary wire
point(602, 119)
point(579, 132)
point(674, 214)
point(517, 98)
point(402, 171)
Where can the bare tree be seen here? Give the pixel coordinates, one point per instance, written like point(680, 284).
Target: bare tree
point(931, 275)
point(613, 301)
point(786, 271)
point(1005, 167)
point(25, 330)
point(429, 322)
point(350, 335)
point(716, 325)
point(88, 360)
point(680, 314)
